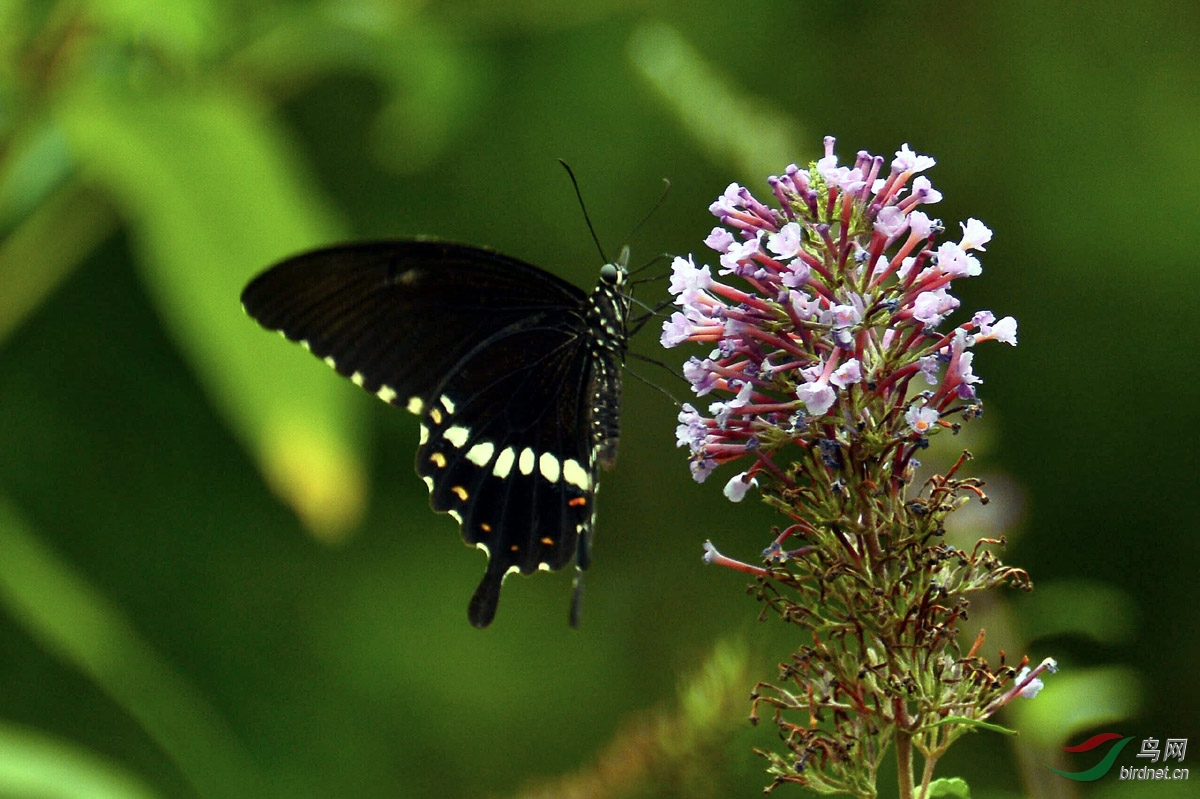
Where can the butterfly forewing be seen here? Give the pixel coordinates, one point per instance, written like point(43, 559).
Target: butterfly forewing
point(514, 373)
point(400, 314)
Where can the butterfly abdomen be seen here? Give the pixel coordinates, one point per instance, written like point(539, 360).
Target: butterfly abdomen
point(607, 312)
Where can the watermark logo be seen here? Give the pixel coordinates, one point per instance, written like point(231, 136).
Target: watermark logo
point(1100, 769)
point(1174, 748)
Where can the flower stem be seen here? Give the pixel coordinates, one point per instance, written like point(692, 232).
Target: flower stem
point(904, 763)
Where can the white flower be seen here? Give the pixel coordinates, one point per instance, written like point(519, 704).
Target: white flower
point(738, 485)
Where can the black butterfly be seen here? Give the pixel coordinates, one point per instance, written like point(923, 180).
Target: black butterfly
point(515, 373)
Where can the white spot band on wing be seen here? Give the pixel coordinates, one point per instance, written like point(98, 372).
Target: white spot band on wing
point(504, 463)
point(457, 436)
point(548, 465)
point(574, 474)
point(481, 453)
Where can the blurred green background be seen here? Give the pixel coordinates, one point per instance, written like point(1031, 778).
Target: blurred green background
point(219, 576)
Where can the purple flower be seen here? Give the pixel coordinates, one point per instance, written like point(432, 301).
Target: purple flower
point(796, 275)
point(841, 316)
point(965, 374)
point(954, 261)
point(737, 256)
point(818, 395)
point(700, 374)
point(786, 241)
point(720, 239)
point(921, 419)
point(924, 192)
point(989, 329)
point(931, 307)
point(729, 201)
point(847, 374)
point(676, 330)
point(920, 224)
point(825, 306)
point(891, 222)
point(975, 235)
point(908, 161)
point(685, 275)
point(690, 431)
point(830, 357)
point(701, 467)
point(930, 365)
point(803, 306)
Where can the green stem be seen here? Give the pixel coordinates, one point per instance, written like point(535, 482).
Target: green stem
point(927, 773)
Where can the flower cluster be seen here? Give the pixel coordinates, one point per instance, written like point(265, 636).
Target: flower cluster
point(830, 366)
point(840, 293)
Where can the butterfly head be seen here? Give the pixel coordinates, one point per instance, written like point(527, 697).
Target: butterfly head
point(614, 274)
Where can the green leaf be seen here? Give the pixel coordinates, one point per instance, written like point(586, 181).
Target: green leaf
point(66, 615)
point(33, 764)
point(181, 28)
point(718, 113)
point(37, 162)
point(428, 75)
point(45, 247)
point(212, 195)
point(966, 722)
point(949, 788)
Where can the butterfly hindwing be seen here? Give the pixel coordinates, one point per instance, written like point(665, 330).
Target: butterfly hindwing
point(515, 375)
point(512, 462)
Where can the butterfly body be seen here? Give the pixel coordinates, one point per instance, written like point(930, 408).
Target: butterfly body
point(514, 373)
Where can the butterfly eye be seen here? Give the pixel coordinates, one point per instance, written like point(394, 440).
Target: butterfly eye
point(608, 274)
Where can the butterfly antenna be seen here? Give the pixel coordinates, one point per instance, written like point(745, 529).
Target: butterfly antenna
point(636, 324)
point(652, 312)
point(583, 207)
point(665, 256)
point(648, 279)
point(650, 382)
point(658, 204)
